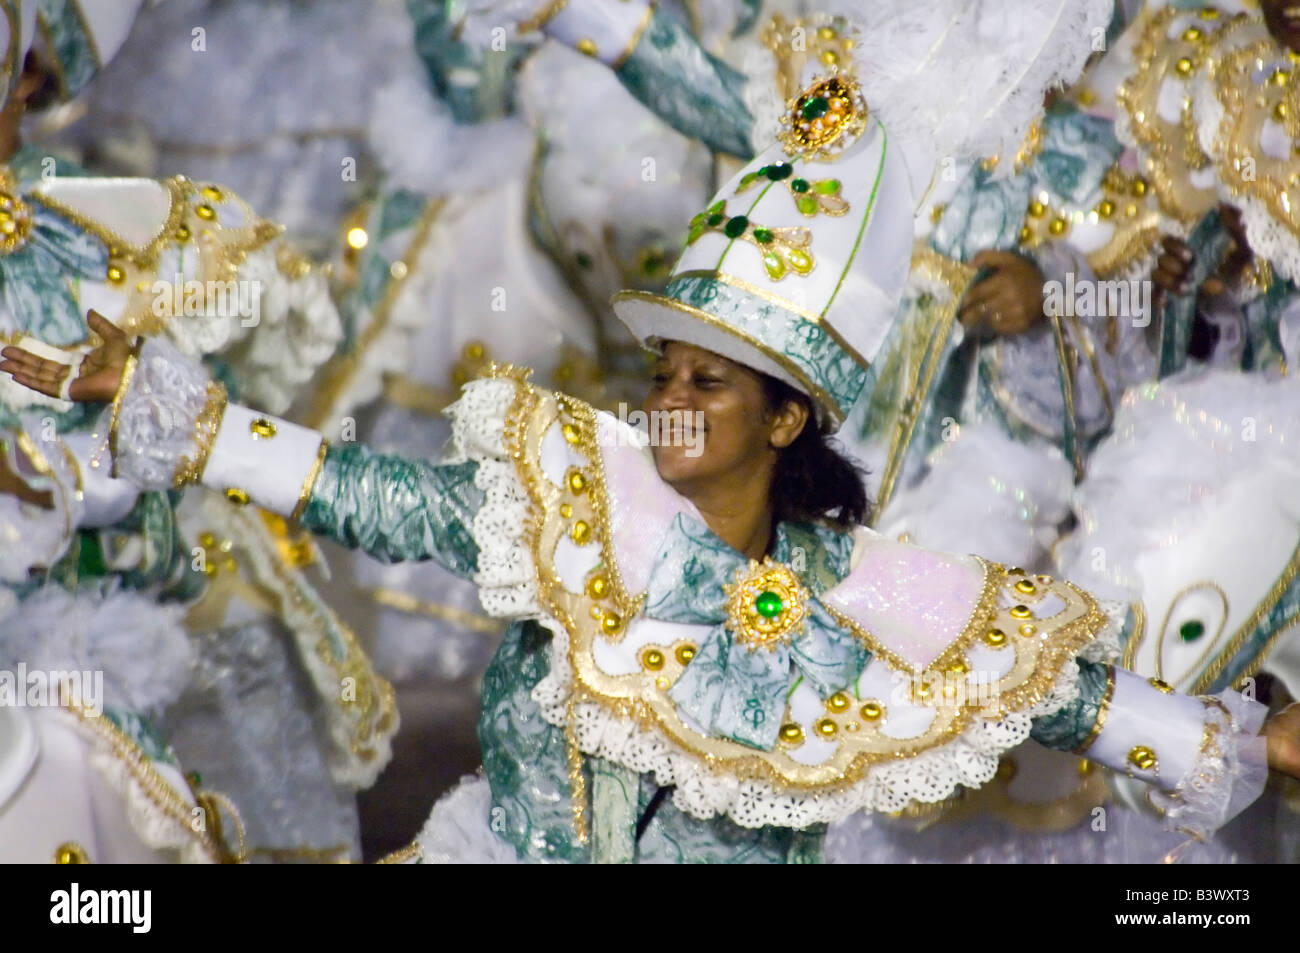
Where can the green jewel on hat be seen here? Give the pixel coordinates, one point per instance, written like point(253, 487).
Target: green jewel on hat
point(796, 266)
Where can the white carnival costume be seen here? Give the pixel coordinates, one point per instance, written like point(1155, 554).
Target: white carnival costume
point(846, 672)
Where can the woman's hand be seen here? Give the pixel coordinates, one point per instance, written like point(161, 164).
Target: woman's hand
point(98, 377)
point(1283, 734)
point(1008, 301)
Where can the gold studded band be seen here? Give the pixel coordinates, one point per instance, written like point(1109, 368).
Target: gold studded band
point(128, 372)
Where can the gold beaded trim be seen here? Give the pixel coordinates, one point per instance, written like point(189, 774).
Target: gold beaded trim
point(1102, 710)
point(206, 426)
point(642, 695)
point(544, 15)
point(636, 37)
point(128, 372)
point(310, 482)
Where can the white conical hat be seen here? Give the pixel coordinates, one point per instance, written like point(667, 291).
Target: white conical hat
point(796, 267)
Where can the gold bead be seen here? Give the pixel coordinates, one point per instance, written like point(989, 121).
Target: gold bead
point(571, 432)
point(661, 683)
point(566, 510)
point(1006, 769)
point(237, 496)
point(995, 637)
point(1020, 612)
point(826, 33)
point(1026, 233)
point(610, 622)
point(1183, 66)
point(116, 274)
point(229, 564)
point(791, 734)
point(1161, 686)
point(1209, 13)
point(959, 667)
point(1192, 34)
point(652, 659)
point(827, 728)
point(1027, 628)
point(209, 214)
point(829, 57)
point(71, 853)
point(183, 233)
point(1058, 226)
point(577, 482)
point(1037, 208)
point(1142, 758)
point(1106, 208)
point(1280, 112)
point(1015, 571)
point(838, 702)
point(1026, 587)
point(587, 46)
point(1280, 77)
point(581, 532)
point(597, 587)
point(261, 427)
point(685, 653)
point(208, 540)
point(1139, 187)
point(871, 711)
point(212, 193)
point(1086, 96)
point(1085, 767)
point(595, 612)
point(475, 350)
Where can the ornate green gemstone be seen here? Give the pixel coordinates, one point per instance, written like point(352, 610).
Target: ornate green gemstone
point(1191, 631)
point(735, 226)
point(774, 265)
point(806, 204)
point(717, 208)
point(800, 261)
point(816, 107)
point(763, 235)
point(748, 178)
point(799, 185)
point(716, 219)
point(828, 186)
point(697, 229)
point(778, 171)
point(768, 604)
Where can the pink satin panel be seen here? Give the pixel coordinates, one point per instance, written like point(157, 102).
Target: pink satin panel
point(914, 601)
point(641, 505)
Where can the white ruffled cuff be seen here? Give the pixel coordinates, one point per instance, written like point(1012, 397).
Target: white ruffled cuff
point(165, 418)
point(1230, 771)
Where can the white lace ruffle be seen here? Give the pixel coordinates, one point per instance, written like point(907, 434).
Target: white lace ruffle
point(1229, 773)
point(295, 331)
point(156, 423)
point(31, 535)
point(507, 576)
point(969, 760)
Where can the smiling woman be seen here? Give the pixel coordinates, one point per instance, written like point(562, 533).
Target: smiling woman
point(716, 624)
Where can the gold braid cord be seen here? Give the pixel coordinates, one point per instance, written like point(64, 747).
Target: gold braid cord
point(1011, 615)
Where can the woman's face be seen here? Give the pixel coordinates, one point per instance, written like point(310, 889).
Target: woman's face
point(708, 419)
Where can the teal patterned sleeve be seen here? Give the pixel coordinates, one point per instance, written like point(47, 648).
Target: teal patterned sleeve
point(683, 85)
point(397, 509)
point(1074, 726)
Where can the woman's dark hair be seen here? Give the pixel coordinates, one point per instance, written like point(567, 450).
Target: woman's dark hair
point(813, 482)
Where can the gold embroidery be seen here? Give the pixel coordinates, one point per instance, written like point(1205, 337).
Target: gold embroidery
point(641, 696)
point(128, 372)
point(636, 37)
point(206, 426)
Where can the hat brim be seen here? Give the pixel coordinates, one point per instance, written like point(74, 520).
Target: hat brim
point(655, 320)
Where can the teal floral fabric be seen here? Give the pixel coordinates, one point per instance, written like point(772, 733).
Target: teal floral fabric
point(687, 88)
point(397, 509)
point(1069, 728)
